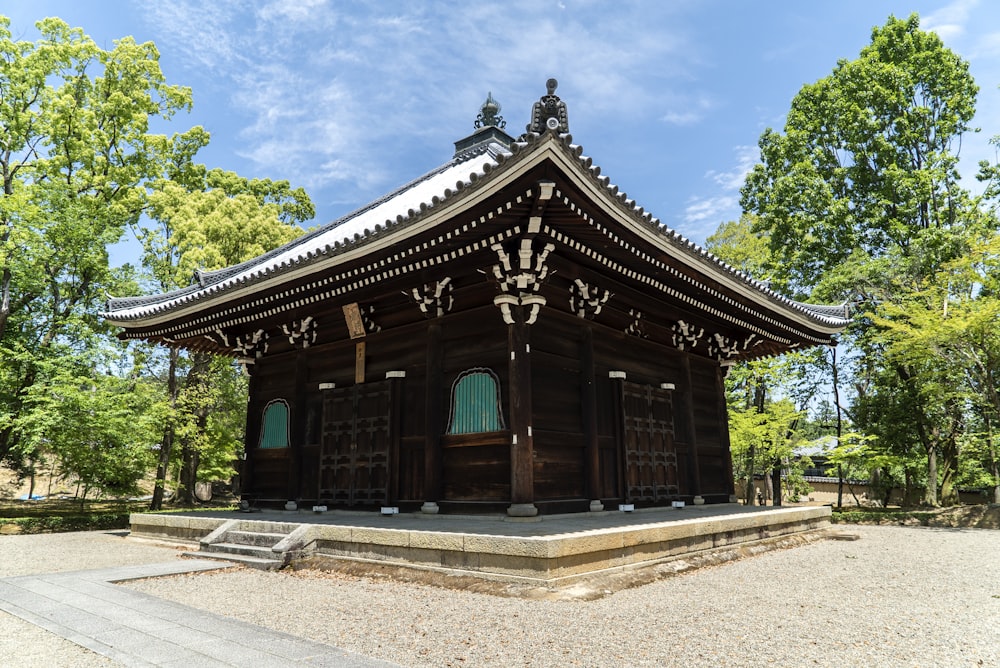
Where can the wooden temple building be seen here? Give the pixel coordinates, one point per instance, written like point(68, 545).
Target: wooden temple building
point(509, 331)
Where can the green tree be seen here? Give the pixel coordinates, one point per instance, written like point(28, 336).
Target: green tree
point(859, 199)
point(868, 157)
point(75, 153)
point(97, 425)
point(951, 329)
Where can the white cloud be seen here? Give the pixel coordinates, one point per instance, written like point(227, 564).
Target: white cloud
point(949, 21)
point(724, 204)
point(709, 208)
point(688, 112)
point(325, 94)
point(732, 179)
point(202, 33)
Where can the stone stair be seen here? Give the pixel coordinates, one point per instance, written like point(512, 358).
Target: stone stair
point(262, 545)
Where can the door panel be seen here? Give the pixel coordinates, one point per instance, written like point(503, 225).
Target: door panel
point(357, 443)
point(650, 459)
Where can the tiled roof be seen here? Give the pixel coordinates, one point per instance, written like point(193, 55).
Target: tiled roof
point(466, 172)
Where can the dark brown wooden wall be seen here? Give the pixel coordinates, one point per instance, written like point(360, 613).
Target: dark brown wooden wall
point(476, 468)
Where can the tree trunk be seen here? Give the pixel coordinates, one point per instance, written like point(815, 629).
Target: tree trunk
point(840, 423)
point(930, 493)
point(950, 454)
point(949, 472)
point(751, 455)
point(188, 474)
point(31, 485)
point(167, 444)
point(776, 483)
point(5, 280)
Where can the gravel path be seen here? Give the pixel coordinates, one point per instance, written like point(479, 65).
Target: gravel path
point(900, 596)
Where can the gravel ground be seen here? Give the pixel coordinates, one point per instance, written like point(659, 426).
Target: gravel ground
point(899, 596)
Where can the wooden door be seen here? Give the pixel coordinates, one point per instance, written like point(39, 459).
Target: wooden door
point(356, 449)
point(648, 433)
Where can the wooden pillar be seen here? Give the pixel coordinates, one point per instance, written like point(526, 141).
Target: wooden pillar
point(395, 380)
point(433, 392)
point(251, 435)
point(522, 474)
point(618, 393)
point(694, 465)
point(298, 416)
point(588, 402)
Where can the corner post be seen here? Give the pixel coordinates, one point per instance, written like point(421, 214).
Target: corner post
point(522, 450)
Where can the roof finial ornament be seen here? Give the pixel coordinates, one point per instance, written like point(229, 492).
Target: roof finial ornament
point(549, 113)
point(489, 114)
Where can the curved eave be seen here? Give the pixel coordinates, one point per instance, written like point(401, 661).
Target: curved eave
point(825, 319)
point(408, 210)
point(318, 251)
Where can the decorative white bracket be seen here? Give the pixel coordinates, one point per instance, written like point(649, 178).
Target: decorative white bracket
point(686, 335)
point(251, 346)
point(301, 332)
point(638, 326)
point(520, 287)
point(587, 300)
point(725, 348)
point(434, 299)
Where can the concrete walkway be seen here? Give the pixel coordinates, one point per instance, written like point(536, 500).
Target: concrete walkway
point(136, 629)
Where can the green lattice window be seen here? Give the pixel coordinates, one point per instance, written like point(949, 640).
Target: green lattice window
point(475, 403)
point(274, 427)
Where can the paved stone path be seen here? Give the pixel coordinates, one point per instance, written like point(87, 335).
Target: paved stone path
point(136, 629)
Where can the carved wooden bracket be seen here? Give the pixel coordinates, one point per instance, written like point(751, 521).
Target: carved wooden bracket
point(252, 345)
point(686, 336)
point(301, 332)
point(725, 348)
point(519, 284)
point(586, 300)
point(638, 326)
point(434, 299)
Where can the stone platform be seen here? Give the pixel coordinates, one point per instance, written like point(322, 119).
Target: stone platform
point(552, 550)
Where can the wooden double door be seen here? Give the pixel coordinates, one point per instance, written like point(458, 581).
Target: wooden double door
point(356, 451)
point(648, 439)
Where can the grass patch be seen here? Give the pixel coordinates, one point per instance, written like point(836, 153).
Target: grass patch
point(64, 523)
point(62, 515)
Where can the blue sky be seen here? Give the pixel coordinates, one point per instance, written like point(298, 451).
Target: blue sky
point(669, 97)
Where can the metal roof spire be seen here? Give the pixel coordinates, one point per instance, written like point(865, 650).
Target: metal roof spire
point(489, 114)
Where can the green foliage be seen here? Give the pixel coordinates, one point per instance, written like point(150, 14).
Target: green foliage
point(873, 516)
point(210, 416)
point(205, 220)
point(75, 158)
point(217, 220)
point(860, 200)
point(99, 427)
point(868, 155)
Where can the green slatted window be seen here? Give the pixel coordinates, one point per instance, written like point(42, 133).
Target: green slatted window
point(274, 428)
point(475, 403)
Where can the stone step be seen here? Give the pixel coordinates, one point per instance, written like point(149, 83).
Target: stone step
point(259, 563)
point(240, 548)
point(256, 538)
